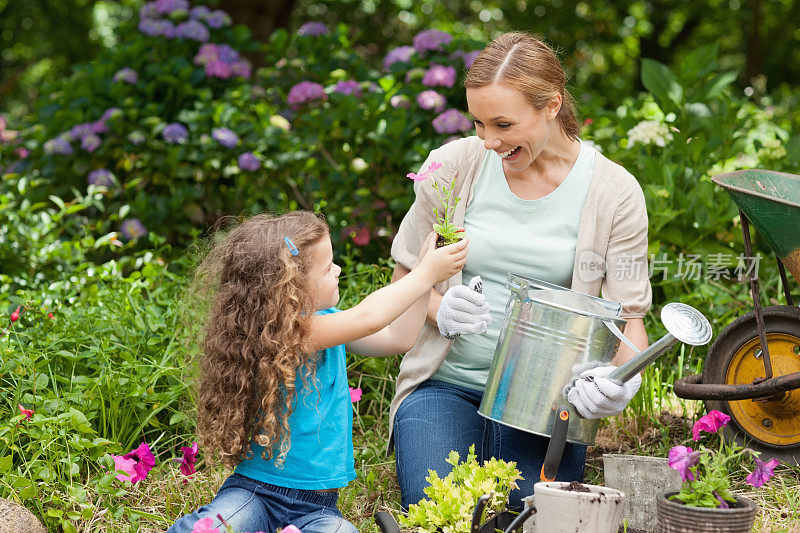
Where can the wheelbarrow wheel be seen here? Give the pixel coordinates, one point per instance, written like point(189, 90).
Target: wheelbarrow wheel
point(770, 425)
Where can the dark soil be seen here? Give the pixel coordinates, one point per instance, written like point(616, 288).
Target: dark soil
point(440, 241)
point(576, 486)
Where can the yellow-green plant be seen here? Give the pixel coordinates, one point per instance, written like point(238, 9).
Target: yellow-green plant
point(451, 500)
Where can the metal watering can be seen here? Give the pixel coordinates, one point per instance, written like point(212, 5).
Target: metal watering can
point(547, 330)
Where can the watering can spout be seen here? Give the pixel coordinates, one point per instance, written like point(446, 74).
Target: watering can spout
point(684, 324)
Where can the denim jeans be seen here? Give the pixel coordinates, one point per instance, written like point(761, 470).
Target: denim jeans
point(249, 505)
point(439, 417)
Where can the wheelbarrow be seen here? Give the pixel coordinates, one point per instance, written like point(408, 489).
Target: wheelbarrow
point(752, 371)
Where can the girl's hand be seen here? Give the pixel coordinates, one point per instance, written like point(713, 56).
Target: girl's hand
point(427, 246)
point(445, 262)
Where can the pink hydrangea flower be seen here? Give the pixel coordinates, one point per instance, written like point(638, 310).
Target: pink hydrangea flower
point(439, 76)
point(401, 54)
point(682, 458)
point(431, 40)
point(711, 423)
point(763, 472)
point(431, 100)
point(350, 87)
point(451, 121)
point(304, 92)
point(312, 29)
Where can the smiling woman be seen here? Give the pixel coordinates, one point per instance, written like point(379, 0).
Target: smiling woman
point(537, 202)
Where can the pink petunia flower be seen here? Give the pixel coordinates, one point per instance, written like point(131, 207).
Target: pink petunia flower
point(763, 472)
point(204, 526)
point(682, 458)
point(127, 466)
point(27, 413)
point(290, 529)
point(189, 459)
point(355, 395)
point(711, 423)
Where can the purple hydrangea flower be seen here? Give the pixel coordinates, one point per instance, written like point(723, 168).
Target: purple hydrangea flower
point(132, 228)
point(102, 177)
point(350, 87)
point(470, 57)
point(401, 54)
point(303, 92)
point(218, 19)
point(207, 53)
point(98, 126)
point(192, 29)
point(439, 76)
point(400, 100)
point(199, 13)
point(59, 146)
point(248, 161)
point(127, 74)
point(110, 112)
point(79, 131)
point(91, 142)
point(431, 100)
point(227, 54)
point(148, 11)
point(312, 29)
point(241, 68)
point(451, 121)
point(225, 137)
point(165, 7)
point(175, 133)
point(431, 40)
point(154, 28)
point(218, 69)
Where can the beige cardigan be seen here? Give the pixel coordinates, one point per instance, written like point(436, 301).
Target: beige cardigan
point(612, 238)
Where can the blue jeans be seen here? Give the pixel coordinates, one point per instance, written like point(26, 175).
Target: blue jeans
point(439, 417)
point(249, 505)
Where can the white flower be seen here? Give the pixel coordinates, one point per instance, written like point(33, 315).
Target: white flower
point(649, 132)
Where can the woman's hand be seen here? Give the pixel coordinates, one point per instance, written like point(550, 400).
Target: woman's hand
point(596, 396)
point(442, 263)
point(463, 310)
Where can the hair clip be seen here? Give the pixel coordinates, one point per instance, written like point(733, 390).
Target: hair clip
point(292, 247)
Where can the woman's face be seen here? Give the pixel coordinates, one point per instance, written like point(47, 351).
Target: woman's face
point(324, 274)
point(509, 125)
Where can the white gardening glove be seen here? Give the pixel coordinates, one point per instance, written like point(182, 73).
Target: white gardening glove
point(595, 396)
point(463, 310)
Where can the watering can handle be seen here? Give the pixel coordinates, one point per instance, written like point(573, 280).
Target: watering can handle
point(555, 448)
point(621, 336)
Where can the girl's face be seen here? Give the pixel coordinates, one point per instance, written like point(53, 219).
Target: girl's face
point(324, 274)
point(509, 125)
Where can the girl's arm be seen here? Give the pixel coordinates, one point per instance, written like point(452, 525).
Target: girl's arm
point(385, 305)
point(434, 301)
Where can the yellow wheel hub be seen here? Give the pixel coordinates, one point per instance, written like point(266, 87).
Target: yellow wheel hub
point(773, 420)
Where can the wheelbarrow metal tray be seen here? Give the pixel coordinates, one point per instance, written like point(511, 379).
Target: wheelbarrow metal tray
point(771, 202)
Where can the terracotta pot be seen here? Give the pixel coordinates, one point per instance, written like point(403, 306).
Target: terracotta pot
point(676, 517)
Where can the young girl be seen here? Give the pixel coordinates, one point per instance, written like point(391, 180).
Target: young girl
point(273, 398)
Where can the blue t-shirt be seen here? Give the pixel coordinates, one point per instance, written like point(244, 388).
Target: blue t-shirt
point(321, 451)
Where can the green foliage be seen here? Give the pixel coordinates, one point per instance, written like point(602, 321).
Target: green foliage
point(451, 500)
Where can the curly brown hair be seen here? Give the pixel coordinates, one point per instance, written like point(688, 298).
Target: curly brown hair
point(254, 335)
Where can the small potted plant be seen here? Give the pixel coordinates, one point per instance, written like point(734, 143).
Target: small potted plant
point(705, 502)
point(448, 232)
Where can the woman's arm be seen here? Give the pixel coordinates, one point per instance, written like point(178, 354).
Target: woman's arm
point(385, 305)
point(635, 331)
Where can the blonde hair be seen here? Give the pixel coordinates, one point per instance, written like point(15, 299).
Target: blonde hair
point(520, 61)
point(254, 334)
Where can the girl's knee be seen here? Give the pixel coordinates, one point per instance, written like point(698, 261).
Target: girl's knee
point(325, 522)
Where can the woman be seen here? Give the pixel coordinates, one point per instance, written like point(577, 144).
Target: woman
point(536, 201)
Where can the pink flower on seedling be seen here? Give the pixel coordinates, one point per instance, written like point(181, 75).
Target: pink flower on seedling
point(204, 526)
point(188, 460)
point(682, 458)
point(711, 423)
point(434, 166)
point(127, 466)
point(355, 394)
point(27, 413)
point(763, 472)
